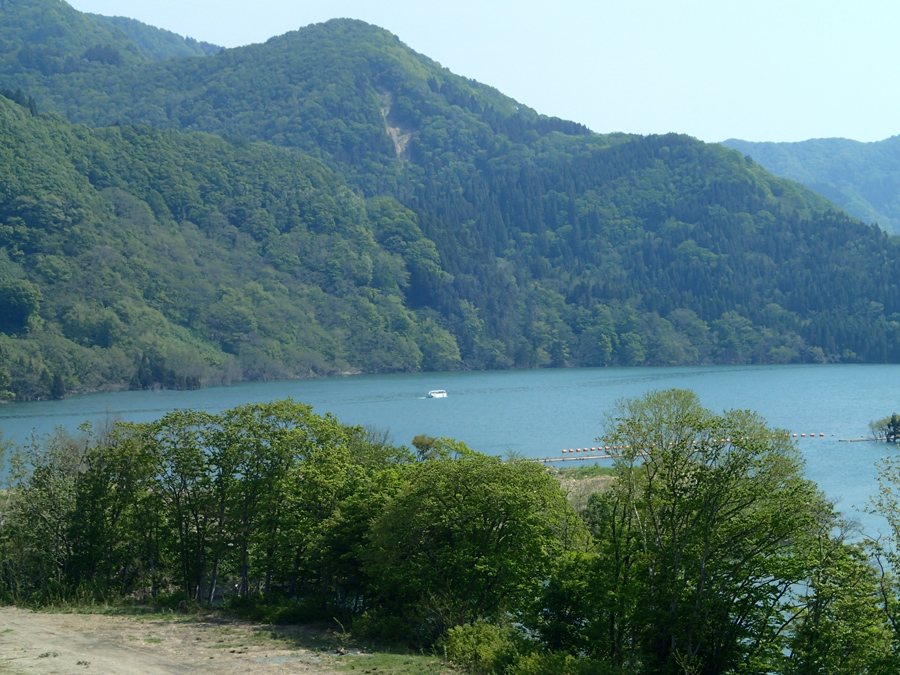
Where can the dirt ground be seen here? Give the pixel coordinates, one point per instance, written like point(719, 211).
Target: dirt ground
point(97, 644)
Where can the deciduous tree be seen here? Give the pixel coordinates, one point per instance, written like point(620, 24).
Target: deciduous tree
point(464, 539)
point(704, 524)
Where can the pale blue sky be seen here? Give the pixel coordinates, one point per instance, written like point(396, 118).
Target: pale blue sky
point(767, 70)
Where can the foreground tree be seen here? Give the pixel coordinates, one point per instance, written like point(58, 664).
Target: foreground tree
point(466, 539)
point(839, 625)
point(701, 537)
point(37, 511)
point(263, 498)
point(886, 503)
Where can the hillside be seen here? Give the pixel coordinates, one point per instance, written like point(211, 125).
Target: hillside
point(468, 230)
point(862, 178)
point(137, 257)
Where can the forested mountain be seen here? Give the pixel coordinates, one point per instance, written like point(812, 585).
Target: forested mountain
point(51, 38)
point(862, 178)
point(133, 256)
point(453, 227)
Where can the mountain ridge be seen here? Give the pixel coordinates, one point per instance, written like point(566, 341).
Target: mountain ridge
point(157, 43)
point(53, 38)
point(860, 177)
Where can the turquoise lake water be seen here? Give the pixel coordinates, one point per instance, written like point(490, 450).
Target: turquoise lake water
point(540, 412)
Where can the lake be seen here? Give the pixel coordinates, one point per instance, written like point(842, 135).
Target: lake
point(541, 412)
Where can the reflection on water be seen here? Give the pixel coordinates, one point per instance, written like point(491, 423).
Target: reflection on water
point(540, 412)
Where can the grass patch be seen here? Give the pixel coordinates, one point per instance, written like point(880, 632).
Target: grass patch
point(580, 482)
point(584, 471)
point(345, 654)
point(393, 664)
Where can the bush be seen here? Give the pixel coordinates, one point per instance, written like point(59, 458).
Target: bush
point(50, 594)
point(382, 626)
point(276, 609)
point(177, 601)
point(481, 647)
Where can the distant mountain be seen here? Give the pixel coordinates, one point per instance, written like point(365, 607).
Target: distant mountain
point(49, 37)
point(156, 43)
point(452, 227)
point(862, 178)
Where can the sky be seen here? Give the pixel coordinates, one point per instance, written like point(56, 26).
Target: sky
point(766, 70)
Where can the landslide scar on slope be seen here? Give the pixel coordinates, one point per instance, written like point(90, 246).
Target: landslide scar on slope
point(398, 137)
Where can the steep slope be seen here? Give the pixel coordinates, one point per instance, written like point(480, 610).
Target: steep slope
point(862, 178)
point(531, 240)
point(135, 257)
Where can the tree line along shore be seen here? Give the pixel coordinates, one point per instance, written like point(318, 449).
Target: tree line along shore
point(704, 551)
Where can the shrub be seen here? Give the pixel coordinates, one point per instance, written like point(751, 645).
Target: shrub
point(177, 601)
point(480, 647)
point(382, 626)
point(276, 609)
